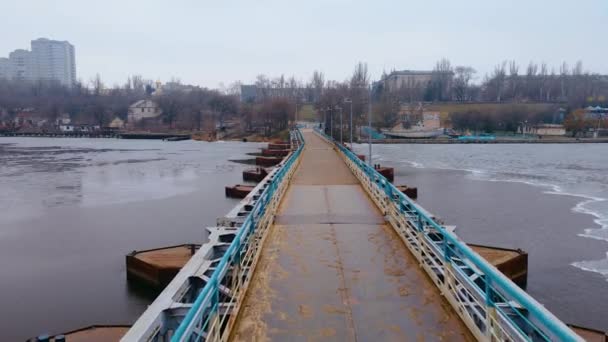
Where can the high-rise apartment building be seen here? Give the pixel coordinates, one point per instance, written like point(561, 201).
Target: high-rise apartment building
point(54, 60)
point(4, 67)
point(49, 60)
point(20, 65)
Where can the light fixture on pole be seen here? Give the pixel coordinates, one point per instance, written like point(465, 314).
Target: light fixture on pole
point(331, 122)
point(341, 125)
point(348, 100)
point(369, 127)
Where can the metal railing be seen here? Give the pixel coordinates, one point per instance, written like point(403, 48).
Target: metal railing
point(207, 319)
point(490, 304)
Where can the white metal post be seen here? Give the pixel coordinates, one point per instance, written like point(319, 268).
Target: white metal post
point(369, 125)
point(341, 126)
point(351, 124)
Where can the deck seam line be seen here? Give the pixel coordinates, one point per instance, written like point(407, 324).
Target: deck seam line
point(344, 290)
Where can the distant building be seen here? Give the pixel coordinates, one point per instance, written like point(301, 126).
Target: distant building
point(63, 119)
point(543, 129)
point(29, 118)
point(66, 128)
point(596, 113)
point(49, 60)
point(143, 109)
point(54, 60)
point(550, 130)
point(248, 93)
point(117, 123)
point(170, 87)
point(21, 66)
point(406, 79)
point(5, 68)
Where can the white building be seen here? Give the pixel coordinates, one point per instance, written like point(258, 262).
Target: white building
point(143, 109)
point(553, 130)
point(49, 60)
point(117, 123)
point(550, 130)
point(54, 60)
point(20, 65)
point(4, 68)
point(66, 127)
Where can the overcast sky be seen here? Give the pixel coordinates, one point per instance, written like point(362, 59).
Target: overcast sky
point(208, 42)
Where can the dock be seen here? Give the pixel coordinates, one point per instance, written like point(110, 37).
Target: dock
point(513, 263)
point(326, 248)
point(333, 269)
point(157, 267)
point(93, 333)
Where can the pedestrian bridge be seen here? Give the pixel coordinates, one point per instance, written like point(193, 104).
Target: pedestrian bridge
point(327, 249)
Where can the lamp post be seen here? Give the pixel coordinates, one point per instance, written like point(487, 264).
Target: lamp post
point(331, 122)
point(348, 100)
point(341, 125)
point(321, 110)
point(369, 123)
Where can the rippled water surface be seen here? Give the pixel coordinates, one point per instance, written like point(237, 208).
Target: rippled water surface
point(71, 209)
point(548, 199)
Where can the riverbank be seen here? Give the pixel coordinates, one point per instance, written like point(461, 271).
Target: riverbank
point(198, 136)
point(547, 201)
point(498, 140)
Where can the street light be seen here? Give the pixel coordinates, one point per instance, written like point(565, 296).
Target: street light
point(348, 100)
point(369, 127)
point(324, 110)
point(331, 122)
point(341, 126)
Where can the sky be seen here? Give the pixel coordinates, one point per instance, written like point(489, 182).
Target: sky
point(210, 43)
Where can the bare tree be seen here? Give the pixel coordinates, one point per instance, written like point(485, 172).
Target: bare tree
point(440, 86)
point(462, 79)
point(318, 83)
point(97, 85)
point(514, 79)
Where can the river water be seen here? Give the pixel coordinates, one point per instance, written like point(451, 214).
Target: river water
point(549, 200)
point(71, 209)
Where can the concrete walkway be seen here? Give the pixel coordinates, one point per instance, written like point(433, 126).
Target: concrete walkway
point(331, 269)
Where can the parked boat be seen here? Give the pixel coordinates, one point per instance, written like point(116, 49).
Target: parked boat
point(178, 138)
point(427, 126)
point(414, 133)
point(481, 137)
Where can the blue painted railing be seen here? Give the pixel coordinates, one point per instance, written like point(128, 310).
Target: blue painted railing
point(205, 307)
point(522, 312)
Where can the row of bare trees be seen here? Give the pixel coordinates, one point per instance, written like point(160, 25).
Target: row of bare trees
point(97, 104)
point(540, 83)
point(508, 82)
point(273, 108)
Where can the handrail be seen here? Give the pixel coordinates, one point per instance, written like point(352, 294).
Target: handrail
point(496, 282)
point(204, 297)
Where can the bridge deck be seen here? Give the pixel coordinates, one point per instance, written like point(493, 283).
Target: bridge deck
point(332, 269)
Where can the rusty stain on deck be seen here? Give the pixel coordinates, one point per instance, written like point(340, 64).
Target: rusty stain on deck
point(333, 269)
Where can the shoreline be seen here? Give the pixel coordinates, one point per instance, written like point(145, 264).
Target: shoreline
point(497, 141)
